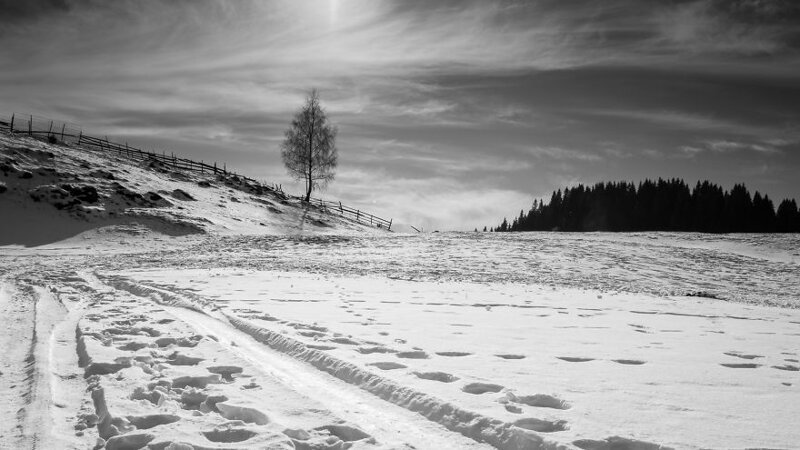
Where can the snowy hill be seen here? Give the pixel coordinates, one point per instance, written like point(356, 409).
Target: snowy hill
point(51, 192)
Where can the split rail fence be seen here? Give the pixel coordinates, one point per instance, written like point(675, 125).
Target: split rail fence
point(67, 133)
point(358, 215)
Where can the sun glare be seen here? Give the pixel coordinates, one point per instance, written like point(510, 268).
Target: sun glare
point(333, 6)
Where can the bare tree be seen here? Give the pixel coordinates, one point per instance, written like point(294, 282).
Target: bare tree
point(309, 149)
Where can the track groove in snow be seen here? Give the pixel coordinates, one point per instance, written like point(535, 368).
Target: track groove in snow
point(483, 429)
point(42, 390)
point(396, 427)
point(16, 363)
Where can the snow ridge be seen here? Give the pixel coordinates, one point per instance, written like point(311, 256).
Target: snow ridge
point(157, 295)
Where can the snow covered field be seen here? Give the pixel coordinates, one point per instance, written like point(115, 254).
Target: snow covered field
point(145, 307)
point(452, 340)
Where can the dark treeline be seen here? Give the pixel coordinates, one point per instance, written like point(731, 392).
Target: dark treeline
point(663, 205)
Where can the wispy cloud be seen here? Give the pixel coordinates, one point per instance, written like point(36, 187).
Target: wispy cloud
point(745, 27)
point(732, 146)
point(558, 153)
point(728, 146)
point(676, 119)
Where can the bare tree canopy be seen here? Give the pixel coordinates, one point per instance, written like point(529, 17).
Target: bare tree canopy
point(309, 148)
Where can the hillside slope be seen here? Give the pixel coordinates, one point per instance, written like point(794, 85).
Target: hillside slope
point(52, 192)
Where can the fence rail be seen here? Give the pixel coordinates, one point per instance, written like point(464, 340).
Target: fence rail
point(68, 133)
point(358, 215)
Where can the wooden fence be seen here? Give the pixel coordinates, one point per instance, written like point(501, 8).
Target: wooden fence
point(67, 133)
point(356, 214)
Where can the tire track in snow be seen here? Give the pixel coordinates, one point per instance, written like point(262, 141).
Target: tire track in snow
point(41, 391)
point(388, 424)
point(16, 364)
point(366, 399)
point(57, 387)
point(391, 425)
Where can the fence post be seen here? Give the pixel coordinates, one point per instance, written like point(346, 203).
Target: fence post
point(63, 125)
point(11, 127)
point(80, 137)
point(215, 167)
point(358, 214)
point(341, 209)
point(390, 225)
point(50, 131)
point(30, 126)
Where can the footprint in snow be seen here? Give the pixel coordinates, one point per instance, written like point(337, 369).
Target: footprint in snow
point(437, 376)
point(542, 426)
point(510, 356)
point(388, 365)
point(453, 354)
point(574, 359)
point(629, 362)
point(416, 354)
point(740, 365)
point(742, 355)
point(536, 400)
point(482, 388)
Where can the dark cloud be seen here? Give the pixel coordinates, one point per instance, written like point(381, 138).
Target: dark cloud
point(754, 99)
point(760, 12)
point(778, 19)
point(16, 11)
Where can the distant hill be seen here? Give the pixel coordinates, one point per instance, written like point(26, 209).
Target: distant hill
point(663, 205)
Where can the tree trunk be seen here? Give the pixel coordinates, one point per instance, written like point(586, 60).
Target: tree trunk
point(309, 180)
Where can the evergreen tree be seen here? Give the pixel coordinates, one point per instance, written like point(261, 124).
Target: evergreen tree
point(662, 205)
point(763, 213)
point(788, 218)
point(504, 225)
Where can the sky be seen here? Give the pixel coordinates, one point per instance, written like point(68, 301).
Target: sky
point(451, 114)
